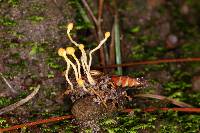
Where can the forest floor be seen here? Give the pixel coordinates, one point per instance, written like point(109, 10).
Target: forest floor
point(32, 31)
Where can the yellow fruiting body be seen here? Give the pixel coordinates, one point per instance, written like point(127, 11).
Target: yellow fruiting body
point(61, 52)
point(85, 64)
point(70, 50)
point(107, 34)
point(70, 26)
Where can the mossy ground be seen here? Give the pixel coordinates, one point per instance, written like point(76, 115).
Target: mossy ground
point(32, 31)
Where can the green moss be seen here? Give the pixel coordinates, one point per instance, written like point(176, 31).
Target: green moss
point(19, 66)
point(4, 101)
point(36, 7)
point(13, 2)
point(36, 48)
point(178, 85)
point(5, 21)
point(16, 34)
point(191, 49)
point(50, 75)
point(162, 122)
point(3, 123)
point(36, 19)
point(52, 63)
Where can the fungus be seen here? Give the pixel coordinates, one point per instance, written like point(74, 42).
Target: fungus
point(85, 65)
point(71, 51)
point(67, 78)
point(107, 34)
point(84, 62)
point(69, 28)
point(81, 84)
point(62, 52)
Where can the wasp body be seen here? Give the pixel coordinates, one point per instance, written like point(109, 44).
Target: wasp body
point(126, 81)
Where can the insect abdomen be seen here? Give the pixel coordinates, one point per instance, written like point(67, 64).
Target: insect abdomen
point(126, 81)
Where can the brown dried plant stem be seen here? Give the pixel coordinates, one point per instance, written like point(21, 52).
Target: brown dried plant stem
point(97, 24)
point(14, 91)
point(112, 47)
point(100, 34)
point(89, 11)
point(150, 62)
point(173, 101)
point(186, 110)
point(53, 119)
point(19, 103)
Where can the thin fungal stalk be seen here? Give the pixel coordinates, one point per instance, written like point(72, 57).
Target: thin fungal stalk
point(89, 77)
point(83, 61)
point(107, 34)
point(84, 56)
point(85, 65)
point(78, 80)
point(67, 78)
point(73, 66)
point(69, 28)
point(62, 52)
point(71, 51)
point(81, 47)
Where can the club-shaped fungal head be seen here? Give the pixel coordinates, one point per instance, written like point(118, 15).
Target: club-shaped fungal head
point(61, 52)
point(107, 34)
point(70, 50)
point(69, 27)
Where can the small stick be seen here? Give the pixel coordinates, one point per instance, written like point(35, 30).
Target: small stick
point(36, 123)
point(8, 84)
point(19, 103)
point(187, 110)
point(112, 47)
point(90, 12)
point(149, 62)
point(100, 11)
point(175, 102)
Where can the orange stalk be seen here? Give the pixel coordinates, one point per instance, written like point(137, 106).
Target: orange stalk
point(53, 119)
point(150, 62)
point(187, 110)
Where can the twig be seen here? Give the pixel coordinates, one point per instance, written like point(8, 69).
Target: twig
point(149, 62)
point(97, 23)
point(90, 11)
point(100, 10)
point(186, 110)
point(112, 47)
point(84, 14)
point(103, 50)
point(37, 122)
point(175, 102)
point(8, 84)
point(19, 103)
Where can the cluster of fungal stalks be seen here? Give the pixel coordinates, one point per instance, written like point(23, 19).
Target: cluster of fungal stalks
point(83, 62)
